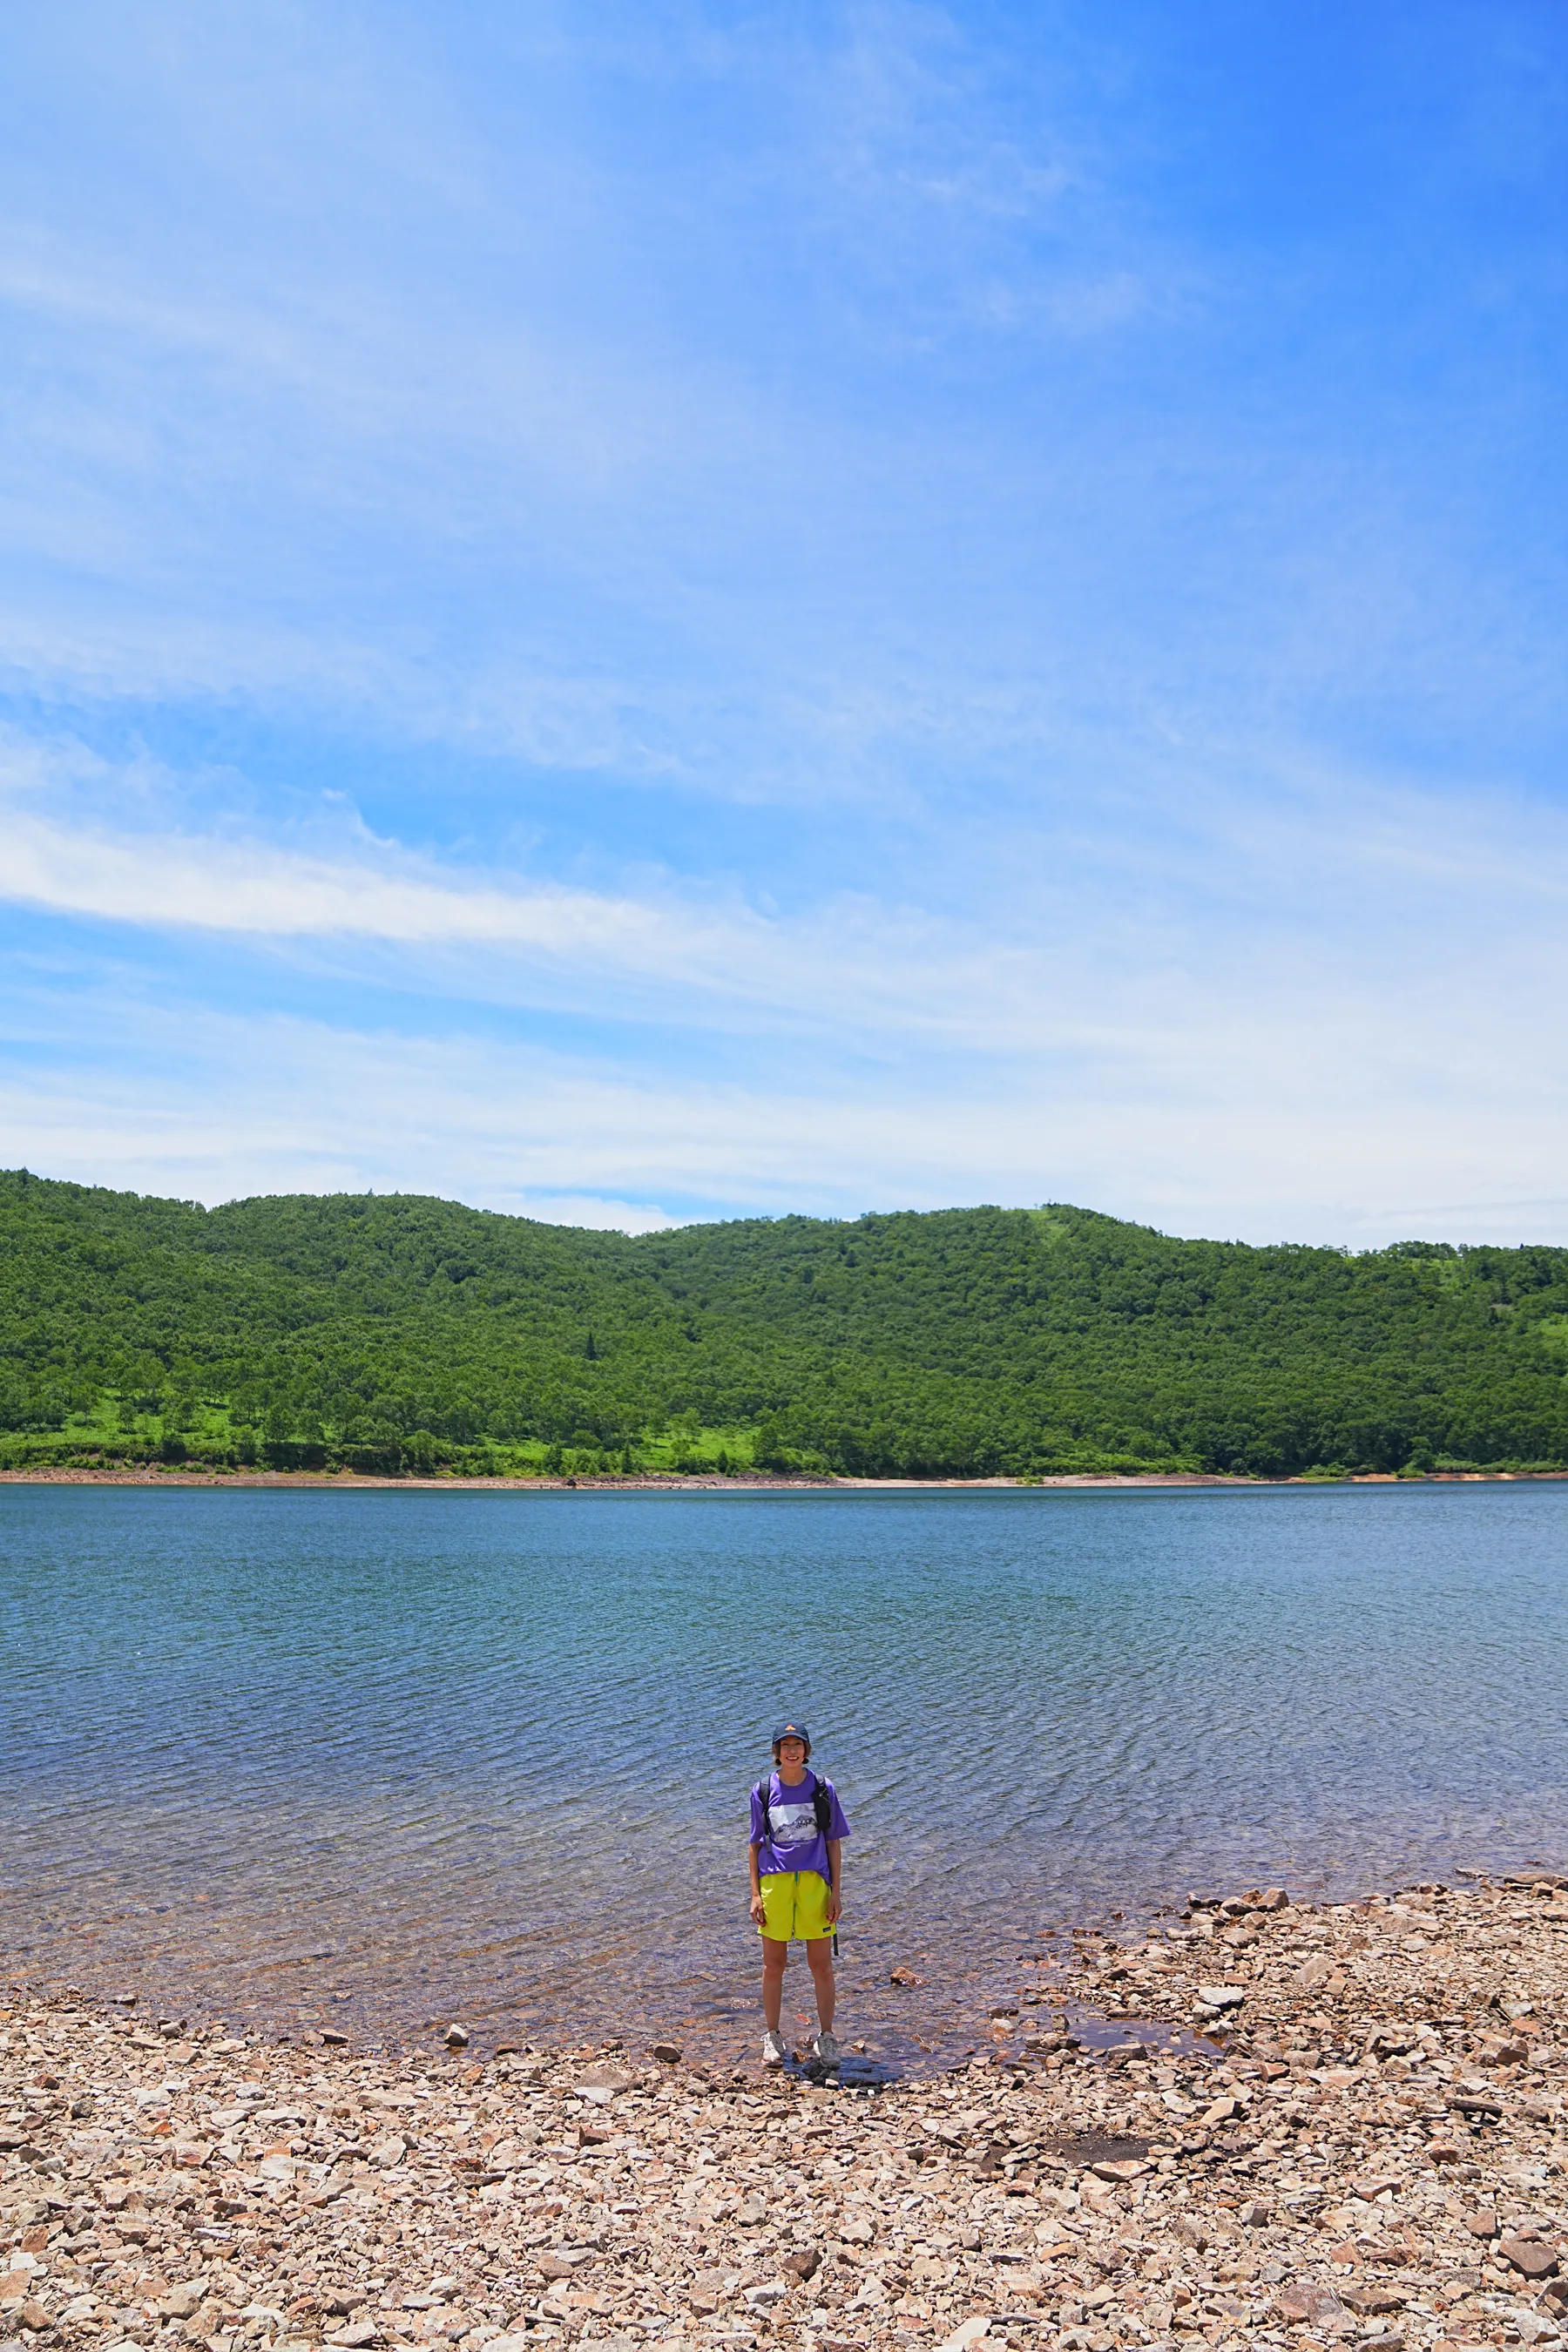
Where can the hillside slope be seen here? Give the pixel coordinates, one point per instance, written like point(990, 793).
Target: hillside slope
point(965, 1341)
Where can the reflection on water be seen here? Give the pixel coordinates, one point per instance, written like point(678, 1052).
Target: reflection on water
point(379, 1759)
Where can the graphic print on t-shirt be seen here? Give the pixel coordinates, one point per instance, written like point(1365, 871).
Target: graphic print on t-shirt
point(792, 1824)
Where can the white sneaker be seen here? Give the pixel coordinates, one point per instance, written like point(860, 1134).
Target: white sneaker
point(773, 2048)
point(826, 2048)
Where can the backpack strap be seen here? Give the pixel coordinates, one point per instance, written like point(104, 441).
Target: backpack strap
point(822, 1799)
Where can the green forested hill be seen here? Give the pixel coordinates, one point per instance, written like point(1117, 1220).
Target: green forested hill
point(391, 1328)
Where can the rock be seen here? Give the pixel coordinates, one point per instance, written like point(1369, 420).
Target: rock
point(1274, 1899)
point(1314, 2306)
point(803, 2260)
point(354, 2338)
point(602, 2083)
point(334, 2038)
point(181, 2302)
point(708, 2292)
point(1529, 2256)
point(1314, 1973)
point(1482, 2223)
point(857, 2230)
point(668, 2053)
point(1372, 2300)
point(456, 2037)
point(387, 2151)
point(1219, 1997)
point(970, 2331)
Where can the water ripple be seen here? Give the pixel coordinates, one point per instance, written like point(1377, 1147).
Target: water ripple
point(305, 1758)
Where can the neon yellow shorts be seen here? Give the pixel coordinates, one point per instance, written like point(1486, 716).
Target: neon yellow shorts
point(794, 1907)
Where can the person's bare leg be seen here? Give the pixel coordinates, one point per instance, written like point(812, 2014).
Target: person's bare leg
point(775, 1955)
point(819, 1952)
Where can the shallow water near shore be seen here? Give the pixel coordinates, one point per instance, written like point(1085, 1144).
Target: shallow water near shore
point(375, 1760)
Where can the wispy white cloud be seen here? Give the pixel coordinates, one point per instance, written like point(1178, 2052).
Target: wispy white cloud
point(268, 1104)
point(486, 364)
point(1345, 934)
point(905, 974)
point(499, 464)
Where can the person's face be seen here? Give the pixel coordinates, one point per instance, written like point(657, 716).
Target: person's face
point(792, 1758)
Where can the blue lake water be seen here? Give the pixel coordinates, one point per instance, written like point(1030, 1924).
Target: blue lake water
point(382, 1758)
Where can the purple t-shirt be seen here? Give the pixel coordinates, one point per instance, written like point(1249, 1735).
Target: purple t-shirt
point(789, 1838)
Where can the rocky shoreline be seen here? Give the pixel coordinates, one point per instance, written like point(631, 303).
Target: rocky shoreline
point(1321, 2125)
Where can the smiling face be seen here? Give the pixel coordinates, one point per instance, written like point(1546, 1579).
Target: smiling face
point(791, 1759)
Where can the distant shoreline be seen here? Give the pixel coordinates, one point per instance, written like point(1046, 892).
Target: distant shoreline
point(758, 1482)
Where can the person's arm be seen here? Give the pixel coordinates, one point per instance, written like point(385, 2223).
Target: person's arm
point(834, 1881)
point(754, 1856)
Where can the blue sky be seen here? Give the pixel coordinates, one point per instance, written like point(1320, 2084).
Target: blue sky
point(666, 611)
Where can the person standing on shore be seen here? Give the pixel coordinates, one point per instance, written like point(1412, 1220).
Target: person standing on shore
point(797, 1833)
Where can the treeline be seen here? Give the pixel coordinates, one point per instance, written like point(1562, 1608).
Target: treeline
point(405, 1331)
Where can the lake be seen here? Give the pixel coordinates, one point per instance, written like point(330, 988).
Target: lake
point(379, 1759)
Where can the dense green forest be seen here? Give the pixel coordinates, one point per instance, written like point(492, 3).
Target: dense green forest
point(400, 1332)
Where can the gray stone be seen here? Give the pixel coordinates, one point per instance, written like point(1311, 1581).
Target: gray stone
point(602, 2082)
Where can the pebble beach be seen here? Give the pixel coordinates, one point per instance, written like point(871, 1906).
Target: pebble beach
point(1319, 2125)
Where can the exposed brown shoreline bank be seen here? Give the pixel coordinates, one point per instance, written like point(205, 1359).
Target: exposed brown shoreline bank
point(1375, 2155)
point(749, 1481)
